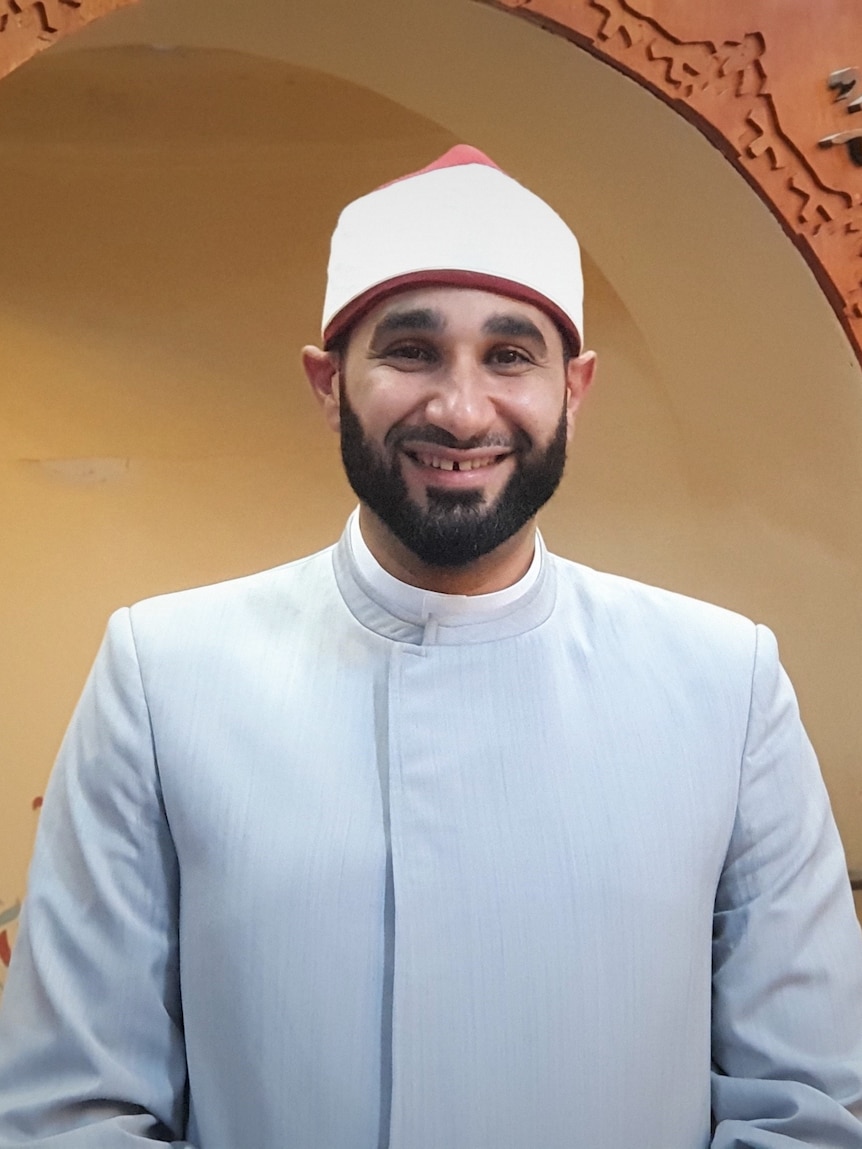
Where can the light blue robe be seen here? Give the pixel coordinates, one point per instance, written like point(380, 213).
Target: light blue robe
point(313, 876)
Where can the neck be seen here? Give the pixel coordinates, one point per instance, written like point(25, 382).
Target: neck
point(501, 568)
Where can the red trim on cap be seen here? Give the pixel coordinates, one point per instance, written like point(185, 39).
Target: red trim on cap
point(456, 157)
point(356, 308)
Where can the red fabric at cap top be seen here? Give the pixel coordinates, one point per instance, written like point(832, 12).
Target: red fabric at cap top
point(456, 157)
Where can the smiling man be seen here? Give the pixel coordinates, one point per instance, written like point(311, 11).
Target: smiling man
point(435, 840)
point(454, 428)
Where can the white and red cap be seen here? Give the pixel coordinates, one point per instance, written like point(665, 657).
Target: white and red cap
point(459, 222)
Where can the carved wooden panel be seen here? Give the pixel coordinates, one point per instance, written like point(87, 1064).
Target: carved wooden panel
point(29, 26)
point(775, 84)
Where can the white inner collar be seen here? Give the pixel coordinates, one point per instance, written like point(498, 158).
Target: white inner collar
point(414, 602)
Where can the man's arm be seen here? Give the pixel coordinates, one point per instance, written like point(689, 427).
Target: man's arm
point(787, 953)
point(91, 1041)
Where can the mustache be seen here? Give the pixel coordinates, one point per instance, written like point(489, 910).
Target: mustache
point(400, 437)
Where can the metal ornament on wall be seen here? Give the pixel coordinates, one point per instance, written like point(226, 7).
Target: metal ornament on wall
point(844, 83)
point(770, 86)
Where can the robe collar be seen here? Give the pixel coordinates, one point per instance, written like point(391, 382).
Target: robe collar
point(409, 614)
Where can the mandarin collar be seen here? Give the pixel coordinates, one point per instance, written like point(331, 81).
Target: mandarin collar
point(418, 617)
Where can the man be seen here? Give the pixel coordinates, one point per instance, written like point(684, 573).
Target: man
point(434, 840)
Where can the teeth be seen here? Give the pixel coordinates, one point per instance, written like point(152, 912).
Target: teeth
point(448, 465)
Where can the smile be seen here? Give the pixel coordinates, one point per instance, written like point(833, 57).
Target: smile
point(444, 463)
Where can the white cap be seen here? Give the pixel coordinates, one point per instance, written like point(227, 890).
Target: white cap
point(459, 222)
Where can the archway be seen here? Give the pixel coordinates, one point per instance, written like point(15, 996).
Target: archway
point(770, 84)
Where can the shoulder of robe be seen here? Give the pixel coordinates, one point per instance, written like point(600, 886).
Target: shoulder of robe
point(639, 610)
point(269, 594)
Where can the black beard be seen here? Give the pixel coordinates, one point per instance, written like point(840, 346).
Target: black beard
point(456, 527)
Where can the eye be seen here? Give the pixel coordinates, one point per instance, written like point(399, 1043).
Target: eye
point(408, 355)
point(509, 357)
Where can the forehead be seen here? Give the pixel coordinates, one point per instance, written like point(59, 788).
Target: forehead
point(455, 310)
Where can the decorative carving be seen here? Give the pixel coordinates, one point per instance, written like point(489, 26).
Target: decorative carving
point(761, 143)
point(724, 88)
point(42, 13)
point(614, 26)
point(684, 68)
point(29, 26)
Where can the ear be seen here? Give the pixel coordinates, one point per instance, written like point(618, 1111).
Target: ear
point(322, 371)
point(579, 378)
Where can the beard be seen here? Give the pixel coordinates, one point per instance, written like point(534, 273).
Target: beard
point(456, 527)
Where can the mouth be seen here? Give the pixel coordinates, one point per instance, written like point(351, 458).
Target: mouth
point(455, 462)
point(479, 472)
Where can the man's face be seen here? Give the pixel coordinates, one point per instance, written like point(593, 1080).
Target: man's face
point(455, 410)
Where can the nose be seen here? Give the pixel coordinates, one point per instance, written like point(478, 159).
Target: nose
point(462, 401)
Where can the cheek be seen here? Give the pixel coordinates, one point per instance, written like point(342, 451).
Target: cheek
point(540, 413)
point(377, 404)
point(392, 405)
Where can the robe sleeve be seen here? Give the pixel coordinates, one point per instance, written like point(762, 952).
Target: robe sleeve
point(91, 1040)
point(787, 956)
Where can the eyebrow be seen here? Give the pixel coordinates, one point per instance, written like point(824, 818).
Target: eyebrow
point(427, 319)
point(514, 327)
point(415, 319)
